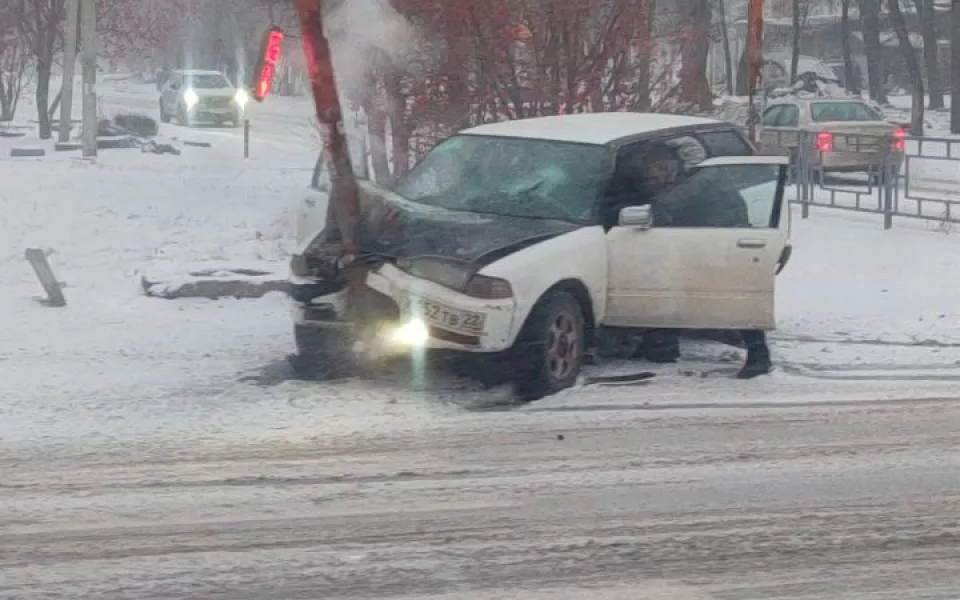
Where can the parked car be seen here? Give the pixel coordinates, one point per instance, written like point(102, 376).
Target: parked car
point(192, 96)
point(842, 134)
point(509, 239)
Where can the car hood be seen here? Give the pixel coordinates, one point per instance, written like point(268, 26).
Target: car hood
point(216, 93)
point(403, 229)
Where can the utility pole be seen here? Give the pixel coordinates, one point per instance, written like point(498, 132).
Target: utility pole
point(88, 32)
point(344, 200)
point(69, 62)
point(754, 55)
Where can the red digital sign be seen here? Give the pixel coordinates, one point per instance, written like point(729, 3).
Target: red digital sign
point(270, 52)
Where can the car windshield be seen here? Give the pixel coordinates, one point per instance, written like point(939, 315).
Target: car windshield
point(527, 178)
point(211, 81)
point(842, 111)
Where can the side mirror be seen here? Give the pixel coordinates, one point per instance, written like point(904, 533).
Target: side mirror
point(638, 217)
point(175, 86)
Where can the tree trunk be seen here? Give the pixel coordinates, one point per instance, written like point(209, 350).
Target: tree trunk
point(44, 66)
point(852, 82)
point(645, 62)
point(6, 113)
point(913, 66)
point(795, 59)
point(870, 21)
point(931, 52)
point(727, 54)
point(955, 66)
point(377, 130)
point(694, 87)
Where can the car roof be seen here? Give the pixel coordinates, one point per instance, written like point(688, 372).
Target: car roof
point(799, 100)
point(590, 128)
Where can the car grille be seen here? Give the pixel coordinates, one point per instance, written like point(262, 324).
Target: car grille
point(215, 102)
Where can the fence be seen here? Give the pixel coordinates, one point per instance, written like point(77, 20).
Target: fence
point(889, 175)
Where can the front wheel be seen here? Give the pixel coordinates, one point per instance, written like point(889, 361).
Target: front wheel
point(182, 117)
point(550, 347)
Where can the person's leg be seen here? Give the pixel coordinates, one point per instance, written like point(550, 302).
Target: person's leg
point(758, 355)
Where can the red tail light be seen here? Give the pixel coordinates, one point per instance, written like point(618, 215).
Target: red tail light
point(825, 142)
point(899, 141)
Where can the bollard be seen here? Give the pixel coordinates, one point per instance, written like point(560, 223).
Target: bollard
point(38, 260)
point(246, 138)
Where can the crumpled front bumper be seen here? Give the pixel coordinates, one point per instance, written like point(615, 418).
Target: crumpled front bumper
point(454, 321)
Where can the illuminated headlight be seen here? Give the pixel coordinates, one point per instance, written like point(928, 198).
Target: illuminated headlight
point(241, 98)
point(190, 98)
point(411, 334)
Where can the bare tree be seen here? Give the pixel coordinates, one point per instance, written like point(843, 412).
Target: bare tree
point(41, 27)
point(931, 51)
point(797, 30)
point(870, 21)
point(14, 58)
point(913, 66)
point(725, 36)
point(851, 79)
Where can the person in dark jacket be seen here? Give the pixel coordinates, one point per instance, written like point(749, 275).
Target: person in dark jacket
point(678, 202)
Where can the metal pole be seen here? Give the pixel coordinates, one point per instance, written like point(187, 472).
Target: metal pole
point(344, 199)
point(69, 62)
point(88, 32)
point(246, 138)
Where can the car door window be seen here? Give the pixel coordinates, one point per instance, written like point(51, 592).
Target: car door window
point(789, 117)
point(770, 117)
point(743, 195)
point(725, 143)
point(646, 169)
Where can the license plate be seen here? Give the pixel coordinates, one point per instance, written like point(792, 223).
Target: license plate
point(445, 317)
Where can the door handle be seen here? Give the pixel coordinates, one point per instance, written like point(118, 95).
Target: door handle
point(748, 243)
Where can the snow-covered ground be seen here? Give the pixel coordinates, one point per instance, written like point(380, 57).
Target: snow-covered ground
point(158, 449)
point(862, 311)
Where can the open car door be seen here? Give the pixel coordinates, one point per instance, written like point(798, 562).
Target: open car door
point(703, 271)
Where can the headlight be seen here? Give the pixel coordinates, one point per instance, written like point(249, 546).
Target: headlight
point(241, 98)
point(489, 288)
point(410, 334)
point(447, 274)
point(458, 277)
point(191, 98)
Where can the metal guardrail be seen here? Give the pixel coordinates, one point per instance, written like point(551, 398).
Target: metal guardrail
point(870, 173)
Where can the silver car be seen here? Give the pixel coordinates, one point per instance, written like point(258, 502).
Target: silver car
point(191, 96)
point(841, 134)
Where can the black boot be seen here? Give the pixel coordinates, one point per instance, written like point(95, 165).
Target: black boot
point(758, 356)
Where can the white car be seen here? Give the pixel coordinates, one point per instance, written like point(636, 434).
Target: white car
point(192, 96)
point(516, 239)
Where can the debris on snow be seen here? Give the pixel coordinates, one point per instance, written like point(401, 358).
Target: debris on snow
point(140, 125)
point(215, 283)
point(41, 266)
point(27, 152)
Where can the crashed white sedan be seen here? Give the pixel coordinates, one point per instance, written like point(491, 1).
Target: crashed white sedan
point(528, 239)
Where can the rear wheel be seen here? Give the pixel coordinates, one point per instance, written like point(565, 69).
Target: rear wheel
point(550, 347)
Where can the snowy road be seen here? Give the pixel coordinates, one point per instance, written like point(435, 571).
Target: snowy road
point(814, 501)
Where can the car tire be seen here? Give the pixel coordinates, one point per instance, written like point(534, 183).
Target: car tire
point(550, 347)
point(323, 353)
point(182, 116)
point(164, 117)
